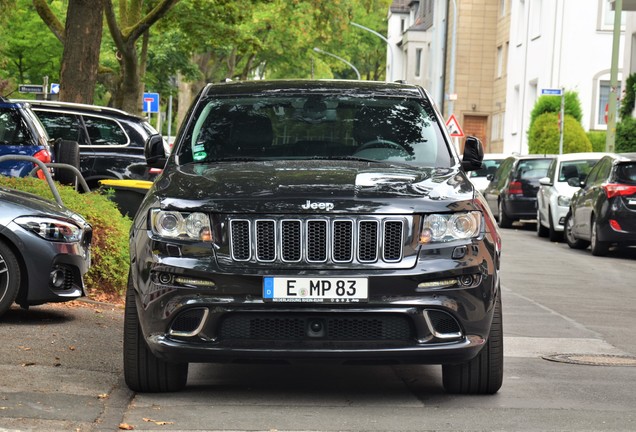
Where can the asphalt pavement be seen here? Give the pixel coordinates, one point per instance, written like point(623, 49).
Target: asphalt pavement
point(568, 324)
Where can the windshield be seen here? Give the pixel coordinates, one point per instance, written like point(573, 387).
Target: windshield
point(315, 126)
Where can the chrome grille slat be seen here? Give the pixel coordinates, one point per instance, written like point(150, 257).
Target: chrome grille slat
point(315, 240)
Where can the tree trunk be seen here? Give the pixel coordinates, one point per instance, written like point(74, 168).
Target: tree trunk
point(80, 58)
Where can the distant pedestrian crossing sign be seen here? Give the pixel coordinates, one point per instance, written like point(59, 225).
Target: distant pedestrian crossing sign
point(55, 88)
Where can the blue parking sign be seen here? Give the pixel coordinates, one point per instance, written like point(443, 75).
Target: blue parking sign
point(150, 103)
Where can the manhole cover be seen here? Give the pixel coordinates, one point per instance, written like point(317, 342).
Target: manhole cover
point(593, 359)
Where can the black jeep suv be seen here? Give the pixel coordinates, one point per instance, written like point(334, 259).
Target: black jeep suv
point(320, 220)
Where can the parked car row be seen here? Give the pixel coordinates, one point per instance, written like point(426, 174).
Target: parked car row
point(590, 197)
point(111, 141)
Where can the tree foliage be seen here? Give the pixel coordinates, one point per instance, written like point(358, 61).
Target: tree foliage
point(627, 103)
point(626, 135)
point(552, 104)
point(28, 50)
point(544, 135)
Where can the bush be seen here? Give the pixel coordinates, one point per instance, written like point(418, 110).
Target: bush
point(597, 138)
point(626, 135)
point(627, 102)
point(544, 136)
point(108, 273)
point(552, 104)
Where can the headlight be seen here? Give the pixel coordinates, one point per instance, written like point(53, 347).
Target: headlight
point(563, 201)
point(449, 227)
point(51, 229)
point(174, 224)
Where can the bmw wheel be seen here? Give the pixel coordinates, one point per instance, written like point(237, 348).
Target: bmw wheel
point(9, 277)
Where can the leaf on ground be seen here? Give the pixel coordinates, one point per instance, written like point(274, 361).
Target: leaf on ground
point(126, 426)
point(160, 423)
point(24, 348)
point(28, 364)
point(103, 396)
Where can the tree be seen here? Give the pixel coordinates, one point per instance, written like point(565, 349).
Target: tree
point(544, 135)
point(28, 51)
point(80, 58)
point(126, 32)
point(546, 103)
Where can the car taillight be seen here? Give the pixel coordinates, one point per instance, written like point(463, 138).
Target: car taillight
point(45, 157)
point(514, 188)
point(614, 189)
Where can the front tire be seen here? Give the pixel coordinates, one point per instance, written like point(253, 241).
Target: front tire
point(9, 277)
point(541, 230)
point(143, 371)
point(570, 239)
point(554, 235)
point(484, 373)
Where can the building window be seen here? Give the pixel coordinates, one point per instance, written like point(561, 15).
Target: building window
point(517, 111)
point(606, 16)
point(521, 22)
point(418, 62)
point(496, 131)
point(535, 18)
point(500, 61)
point(402, 24)
point(502, 8)
point(603, 100)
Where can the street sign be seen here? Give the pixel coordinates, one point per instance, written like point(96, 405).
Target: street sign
point(551, 92)
point(55, 88)
point(31, 88)
point(150, 103)
point(453, 127)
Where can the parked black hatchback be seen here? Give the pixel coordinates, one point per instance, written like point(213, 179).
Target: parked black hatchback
point(111, 141)
point(603, 212)
point(314, 220)
point(512, 192)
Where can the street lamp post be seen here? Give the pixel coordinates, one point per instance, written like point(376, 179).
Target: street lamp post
point(385, 40)
point(318, 50)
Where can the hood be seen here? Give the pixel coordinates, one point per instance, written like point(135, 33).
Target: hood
point(312, 186)
point(15, 203)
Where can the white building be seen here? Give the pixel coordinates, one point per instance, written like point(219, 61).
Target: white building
point(557, 44)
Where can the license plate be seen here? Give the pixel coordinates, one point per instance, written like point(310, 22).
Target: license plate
point(315, 289)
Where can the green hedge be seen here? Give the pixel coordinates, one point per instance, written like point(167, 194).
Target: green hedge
point(107, 276)
point(544, 135)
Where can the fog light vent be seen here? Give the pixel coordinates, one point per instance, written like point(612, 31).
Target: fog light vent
point(189, 322)
point(442, 324)
point(61, 278)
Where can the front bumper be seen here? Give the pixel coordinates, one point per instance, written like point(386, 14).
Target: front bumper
point(400, 322)
point(40, 258)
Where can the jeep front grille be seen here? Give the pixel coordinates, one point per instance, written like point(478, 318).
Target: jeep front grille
point(318, 240)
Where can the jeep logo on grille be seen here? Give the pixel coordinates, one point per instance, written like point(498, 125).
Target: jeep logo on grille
point(317, 205)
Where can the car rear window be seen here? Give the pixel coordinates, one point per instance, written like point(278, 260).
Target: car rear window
point(533, 168)
point(13, 131)
point(626, 173)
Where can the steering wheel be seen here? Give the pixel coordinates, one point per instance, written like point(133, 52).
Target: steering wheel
point(382, 143)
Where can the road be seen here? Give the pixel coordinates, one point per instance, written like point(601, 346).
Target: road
point(60, 367)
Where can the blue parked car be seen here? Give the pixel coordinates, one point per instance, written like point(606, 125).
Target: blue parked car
point(22, 133)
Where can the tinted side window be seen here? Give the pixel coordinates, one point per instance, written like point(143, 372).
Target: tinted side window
point(102, 131)
point(626, 173)
point(13, 131)
point(502, 172)
point(64, 126)
point(593, 176)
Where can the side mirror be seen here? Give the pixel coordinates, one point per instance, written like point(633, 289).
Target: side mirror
point(575, 182)
point(545, 181)
point(154, 152)
point(473, 154)
point(490, 177)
